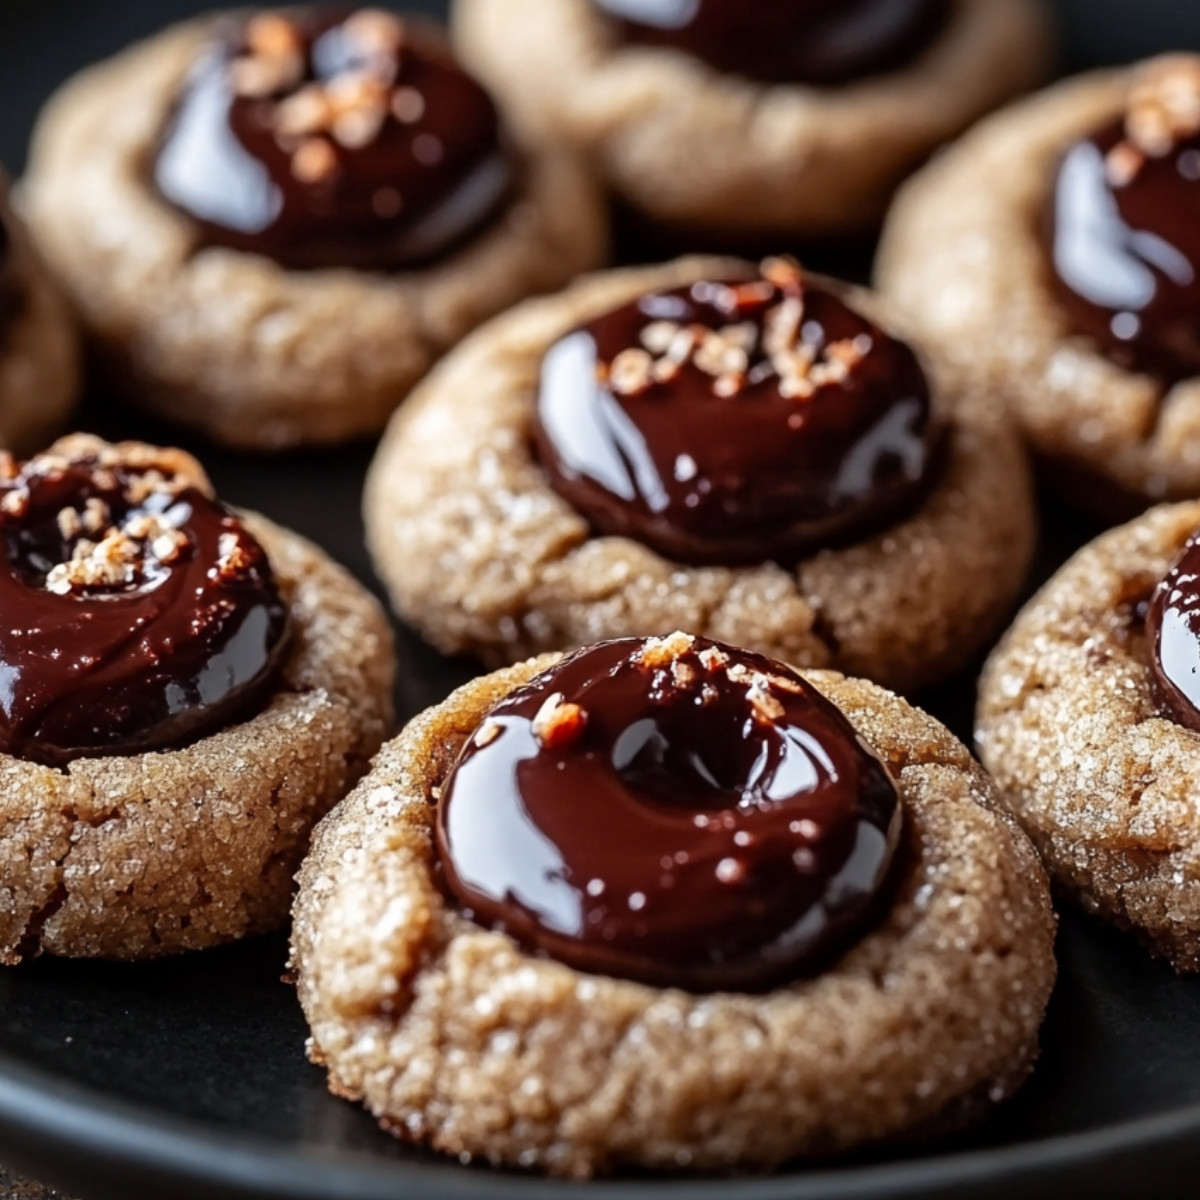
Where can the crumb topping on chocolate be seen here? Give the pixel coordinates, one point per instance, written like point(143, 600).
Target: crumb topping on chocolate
point(775, 346)
point(736, 420)
point(378, 148)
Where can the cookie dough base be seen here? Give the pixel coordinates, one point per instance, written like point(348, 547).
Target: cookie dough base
point(1103, 783)
point(483, 557)
point(454, 1037)
point(254, 355)
point(696, 148)
point(142, 856)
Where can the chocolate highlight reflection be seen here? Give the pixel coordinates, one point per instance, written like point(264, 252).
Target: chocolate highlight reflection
point(326, 137)
point(785, 41)
point(736, 421)
point(136, 612)
point(1173, 632)
point(1125, 226)
point(671, 810)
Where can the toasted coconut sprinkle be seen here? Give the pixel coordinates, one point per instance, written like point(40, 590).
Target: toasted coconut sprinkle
point(558, 724)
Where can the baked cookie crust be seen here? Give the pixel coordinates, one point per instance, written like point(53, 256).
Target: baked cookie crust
point(691, 146)
point(481, 555)
point(964, 257)
point(40, 368)
point(140, 856)
point(455, 1037)
point(1104, 784)
point(234, 344)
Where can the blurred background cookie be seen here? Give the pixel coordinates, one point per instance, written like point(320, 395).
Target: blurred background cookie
point(273, 224)
point(773, 118)
point(1053, 257)
point(754, 454)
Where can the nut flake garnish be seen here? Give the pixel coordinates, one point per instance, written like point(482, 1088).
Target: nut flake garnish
point(558, 724)
point(99, 551)
point(727, 354)
point(1163, 110)
point(487, 733)
point(349, 109)
point(663, 651)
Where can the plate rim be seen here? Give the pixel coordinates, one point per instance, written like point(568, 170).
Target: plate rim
point(62, 1119)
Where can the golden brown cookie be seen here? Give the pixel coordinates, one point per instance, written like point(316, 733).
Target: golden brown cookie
point(696, 147)
point(39, 352)
point(484, 556)
point(161, 773)
point(456, 1035)
point(237, 332)
point(1017, 256)
point(1093, 763)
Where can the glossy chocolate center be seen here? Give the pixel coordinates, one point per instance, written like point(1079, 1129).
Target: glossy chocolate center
point(736, 421)
point(674, 811)
point(786, 41)
point(1173, 628)
point(1125, 229)
point(322, 138)
point(136, 612)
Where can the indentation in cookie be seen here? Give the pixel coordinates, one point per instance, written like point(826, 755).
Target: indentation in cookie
point(1125, 225)
point(138, 612)
point(322, 137)
point(736, 420)
point(671, 810)
point(785, 41)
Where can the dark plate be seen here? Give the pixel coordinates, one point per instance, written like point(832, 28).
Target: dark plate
point(188, 1079)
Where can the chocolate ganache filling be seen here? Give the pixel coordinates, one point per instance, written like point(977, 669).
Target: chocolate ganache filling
point(786, 41)
point(735, 421)
point(670, 810)
point(138, 613)
point(1173, 630)
point(1125, 226)
point(326, 137)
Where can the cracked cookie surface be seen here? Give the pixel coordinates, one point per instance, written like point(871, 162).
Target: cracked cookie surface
point(145, 855)
point(484, 557)
point(454, 1037)
point(1069, 727)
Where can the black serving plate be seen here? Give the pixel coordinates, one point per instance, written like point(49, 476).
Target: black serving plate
point(186, 1080)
